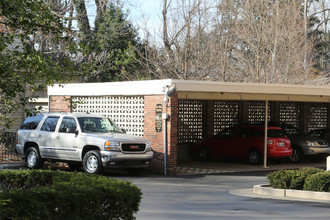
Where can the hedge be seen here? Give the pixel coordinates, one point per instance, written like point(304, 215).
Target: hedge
point(45, 194)
point(319, 182)
point(291, 179)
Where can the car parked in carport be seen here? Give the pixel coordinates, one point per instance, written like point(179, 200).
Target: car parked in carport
point(246, 142)
point(323, 133)
point(304, 145)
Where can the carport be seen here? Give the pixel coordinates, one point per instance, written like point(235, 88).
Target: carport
point(195, 110)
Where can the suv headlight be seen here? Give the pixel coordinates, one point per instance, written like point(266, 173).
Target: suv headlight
point(148, 146)
point(112, 145)
point(312, 143)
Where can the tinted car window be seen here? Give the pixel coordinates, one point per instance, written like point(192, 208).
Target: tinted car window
point(226, 133)
point(293, 131)
point(247, 132)
point(50, 124)
point(316, 133)
point(31, 123)
point(95, 124)
point(260, 133)
point(66, 123)
point(276, 133)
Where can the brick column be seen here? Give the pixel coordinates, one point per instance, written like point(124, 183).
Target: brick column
point(172, 134)
point(60, 104)
point(157, 138)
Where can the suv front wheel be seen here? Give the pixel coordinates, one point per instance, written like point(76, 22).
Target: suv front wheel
point(92, 162)
point(33, 159)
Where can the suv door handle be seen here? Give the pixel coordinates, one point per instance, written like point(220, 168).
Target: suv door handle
point(57, 137)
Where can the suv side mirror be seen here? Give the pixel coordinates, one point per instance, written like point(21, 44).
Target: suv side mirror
point(123, 130)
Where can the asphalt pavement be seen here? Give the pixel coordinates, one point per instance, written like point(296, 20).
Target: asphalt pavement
point(213, 196)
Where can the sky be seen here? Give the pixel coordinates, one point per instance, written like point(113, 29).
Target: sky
point(145, 13)
point(141, 13)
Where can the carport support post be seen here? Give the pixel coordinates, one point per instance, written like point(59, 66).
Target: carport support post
point(165, 116)
point(266, 134)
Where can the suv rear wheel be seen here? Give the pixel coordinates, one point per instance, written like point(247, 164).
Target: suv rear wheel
point(33, 159)
point(92, 162)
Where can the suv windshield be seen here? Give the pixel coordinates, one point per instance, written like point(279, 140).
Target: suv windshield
point(96, 124)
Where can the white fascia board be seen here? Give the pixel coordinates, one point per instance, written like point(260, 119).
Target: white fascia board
point(147, 87)
point(156, 87)
point(250, 88)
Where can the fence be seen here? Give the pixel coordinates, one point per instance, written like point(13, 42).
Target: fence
point(7, 148)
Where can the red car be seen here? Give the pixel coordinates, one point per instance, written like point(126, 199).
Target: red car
point(246, 142)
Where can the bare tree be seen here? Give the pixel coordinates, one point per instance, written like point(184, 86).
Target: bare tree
point(319, 13)
point(188, 50)
point(231, 40)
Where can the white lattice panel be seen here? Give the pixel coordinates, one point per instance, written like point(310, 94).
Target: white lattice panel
point(318, 116)
point(226, 114)
point(290, 113)
point(190, 121)
point(126, 111)
point(256, 112)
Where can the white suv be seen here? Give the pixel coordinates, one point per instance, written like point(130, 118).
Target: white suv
point(92, 142)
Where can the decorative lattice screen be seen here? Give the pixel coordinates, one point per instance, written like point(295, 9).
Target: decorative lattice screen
point(226, 114)
point(126, 111)
point(190, 120)
point(256, 112)
point(317, 116)
point(290, 113)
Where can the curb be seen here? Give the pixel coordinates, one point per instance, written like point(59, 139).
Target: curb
point(290, 193)
point(11, 165)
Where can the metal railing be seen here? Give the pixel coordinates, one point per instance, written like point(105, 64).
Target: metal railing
point(7, 148)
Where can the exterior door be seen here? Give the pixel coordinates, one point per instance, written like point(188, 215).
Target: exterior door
point(66, 142)
point(46, 137)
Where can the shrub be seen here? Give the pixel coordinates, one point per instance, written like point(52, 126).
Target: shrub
point(291, 179)
point(44, 194)
point(281, 179)
point(319, 182)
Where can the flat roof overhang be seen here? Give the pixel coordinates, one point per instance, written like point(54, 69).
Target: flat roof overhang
point(202, 90)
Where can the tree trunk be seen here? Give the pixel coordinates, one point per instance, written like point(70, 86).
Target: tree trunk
point(83, 22)
point(101, 6)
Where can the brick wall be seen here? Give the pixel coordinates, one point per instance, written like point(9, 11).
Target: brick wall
point(172, 126)
point(157, 138)
point(60, 104)
point(63, 104)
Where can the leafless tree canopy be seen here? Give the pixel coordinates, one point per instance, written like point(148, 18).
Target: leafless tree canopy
point(231, 40)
